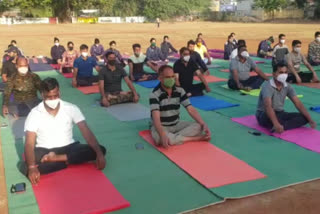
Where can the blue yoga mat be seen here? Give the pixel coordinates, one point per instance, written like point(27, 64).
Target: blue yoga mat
point(316, 109)
point(149, 83)
point(36, 67)
point(207, 103)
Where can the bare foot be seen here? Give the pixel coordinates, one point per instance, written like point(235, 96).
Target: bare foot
point(50, 157)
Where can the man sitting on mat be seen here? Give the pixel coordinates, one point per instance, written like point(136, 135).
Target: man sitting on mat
point(185, 70)
point(20, 94)
point(264, 48)
point(113, 49)
point(202, 50)
point(166, 47)
point(56, 51)
point(83, 69)
point(110, 78)
point(136, 63)
point(49, 143)
point(195, 56)
point(270, 112)
point(314, 50)
point(234, 53)
point(155, 56)
point(68, 58)
point(240, 68)
point(280, 50)
point(294, 59)
point(165, 101)
point(97, 50)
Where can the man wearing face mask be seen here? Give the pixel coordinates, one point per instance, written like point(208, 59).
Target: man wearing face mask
point(280, 50)
point(194, 56)
point(202, 50)
point(110, 78)
point(24, 86)
point(113, 49)
point(68, 58)
point(83, 69)
point(185, 69)
point(165, 100)
point(295, 58)
point(270, 111)
point(49, 145)
point(56, 51)
point(314, 50)
point(155, 56)
point(97, 50)
point(264, 48)
point(240, 68)
point(136, 63)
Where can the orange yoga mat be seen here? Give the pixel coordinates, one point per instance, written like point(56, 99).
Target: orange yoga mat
point(89, 89)
point(211, 78)
point(209, 165)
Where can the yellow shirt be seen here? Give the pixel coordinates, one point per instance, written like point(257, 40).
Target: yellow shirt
point(201, 50)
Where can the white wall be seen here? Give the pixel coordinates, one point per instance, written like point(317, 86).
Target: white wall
point(109, 20)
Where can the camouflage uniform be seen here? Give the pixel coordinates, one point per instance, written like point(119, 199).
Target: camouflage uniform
point(20, 94)
point(121, 98)
point(314, 53)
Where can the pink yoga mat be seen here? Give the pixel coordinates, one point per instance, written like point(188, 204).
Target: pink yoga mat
point(211, 79)
point(209, 165)
point(89, 89)
point(78, 189)
point(259, 62)
point(55, 66)
point(310, 85)
point(305, 137)
point(67, 75)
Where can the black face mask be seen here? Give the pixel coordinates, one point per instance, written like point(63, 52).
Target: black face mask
point(12, 58)
point(70, 48)
point(112, 62)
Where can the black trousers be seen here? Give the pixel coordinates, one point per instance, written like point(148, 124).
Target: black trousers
point(253, 82)
point(305, 77)
point(195, 89)
point(87, 81)
point(76, 153)
point(287, 120)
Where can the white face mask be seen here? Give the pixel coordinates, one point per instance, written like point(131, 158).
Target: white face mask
point(52, 103)
point(298, 50)
point(245, 54)
point(186, 58)
point(84, 54)
point(318, 39)
point(23, 70)
point(56, 44)
point(282, 41)
point(282, 78)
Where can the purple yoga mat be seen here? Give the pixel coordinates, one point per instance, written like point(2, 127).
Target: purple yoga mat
point(305, 137)
point(216, 51)
point(216, 55)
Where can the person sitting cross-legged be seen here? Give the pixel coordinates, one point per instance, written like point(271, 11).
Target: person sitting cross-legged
point(49, 145)
point(136, 63)
point(155, 56)
point(240, 68)
point(68, 58)
point(270, 111)
point(83, 69)
point(97, 50)
point(165, 101)
point(110, 78)
point(185, 69)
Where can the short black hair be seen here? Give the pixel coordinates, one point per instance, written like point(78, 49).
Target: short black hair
point(49, 84)
point(199, 34)
point(152, 39)
point(13, 41)
point(56, 39)
point(109, 53)
point(165, 37)
point(183, 49)
point(163, 68)
point(112, 43)
point(191, 42)
point(317, 34)
point(136, 46)
point(241, 42)
point(83, 47)
point(281, 35)
point(70, 43)
point(296, 42)
point(280, 64)
point(96, 41)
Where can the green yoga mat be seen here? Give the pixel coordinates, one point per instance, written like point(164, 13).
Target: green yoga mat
point(256, 93)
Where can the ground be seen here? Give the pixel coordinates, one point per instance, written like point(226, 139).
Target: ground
point(36, 40)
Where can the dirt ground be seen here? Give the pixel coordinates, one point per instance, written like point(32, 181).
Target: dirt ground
point(37, 40)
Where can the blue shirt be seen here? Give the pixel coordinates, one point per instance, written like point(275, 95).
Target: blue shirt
point(85, 67)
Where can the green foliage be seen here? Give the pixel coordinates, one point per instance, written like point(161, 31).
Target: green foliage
point(270, 5)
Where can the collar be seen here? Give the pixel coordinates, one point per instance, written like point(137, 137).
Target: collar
point(164, 91)
point(273, 84)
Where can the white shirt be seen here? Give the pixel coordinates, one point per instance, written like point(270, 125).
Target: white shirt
point(234, 53)
point(53, 131)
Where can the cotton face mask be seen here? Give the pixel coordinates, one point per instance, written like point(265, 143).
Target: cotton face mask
point(282, 78)
point(297, 50)
point(23, 70)
point(282, 41)
point(153, 44)
point(84, 54)
point(52, 103)
point(245, 54)
point(169, 82)
point(318, 39)
point(186, 58)
point(56, 44)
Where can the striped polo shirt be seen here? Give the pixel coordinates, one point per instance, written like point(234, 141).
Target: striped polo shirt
point(168, 106)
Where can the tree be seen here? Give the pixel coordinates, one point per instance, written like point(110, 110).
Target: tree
point(270, 6)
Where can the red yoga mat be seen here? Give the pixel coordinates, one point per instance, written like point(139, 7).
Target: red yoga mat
point(209, 165)
point(55, 66)
point(67, 75)
point(78, 189)
point(310, 85)
point(89, 89)
point(211, 78)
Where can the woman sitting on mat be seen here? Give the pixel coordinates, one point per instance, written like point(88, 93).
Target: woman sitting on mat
point(68, 58)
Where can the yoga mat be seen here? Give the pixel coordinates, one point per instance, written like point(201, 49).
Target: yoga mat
point(149, 83)
point(252, 74)
point(225, 70)
point(17, 126)
point(209, 165)
point(310, 85)
point(259, 62)
point(89, 89)
point(207, 103)
point(77, 189)
point(213, 66)
point(256, 93)
point(316, 109)
point(129, 111)
point(210, 79)
point(305, 137)
point(55, 66)
point(39, 67)
point(215, 50)
point(67, 75)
